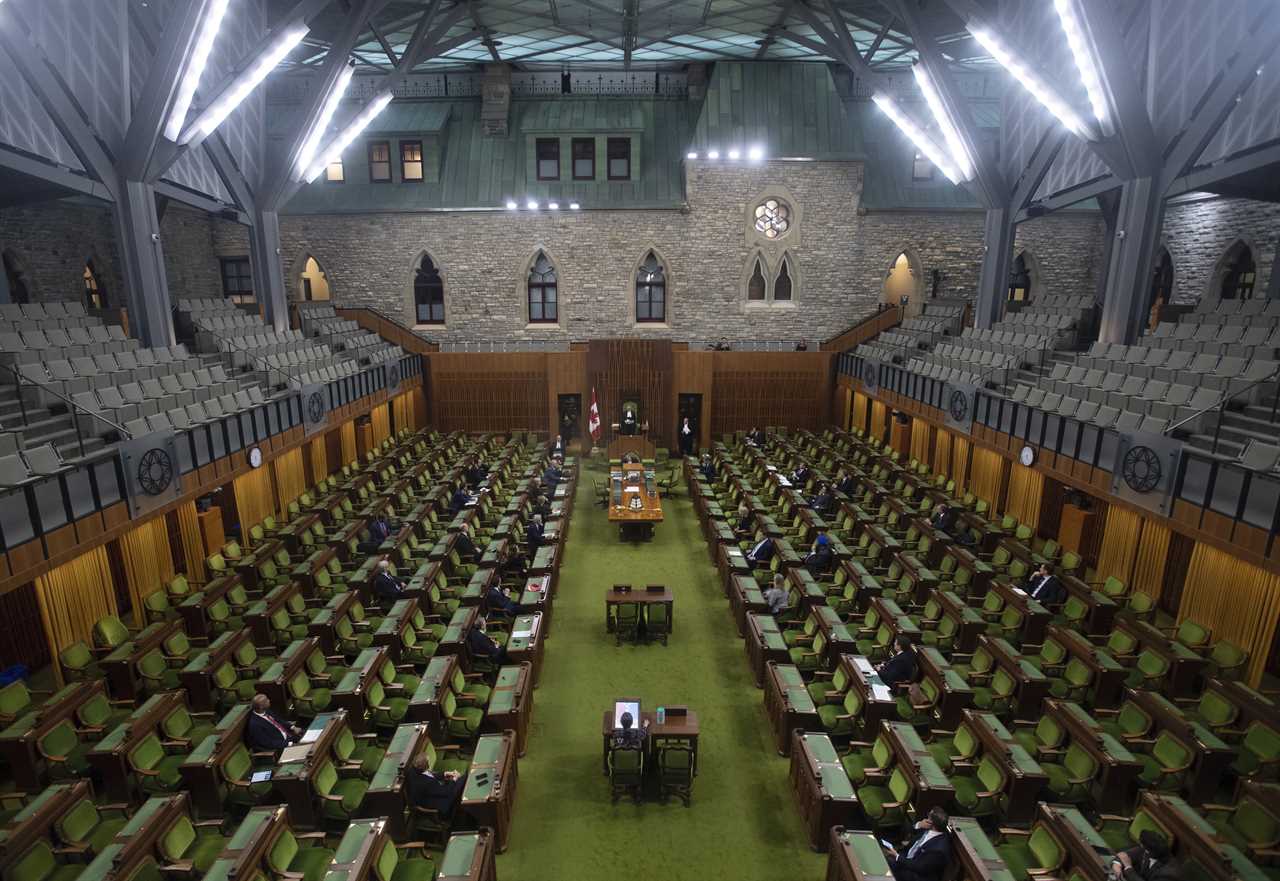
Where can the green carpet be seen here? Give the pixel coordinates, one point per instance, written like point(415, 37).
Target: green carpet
point(743, 824)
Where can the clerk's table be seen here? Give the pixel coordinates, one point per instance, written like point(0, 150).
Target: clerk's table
point(634, 503)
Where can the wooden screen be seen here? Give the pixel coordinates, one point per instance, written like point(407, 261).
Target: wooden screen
point(633, 369)
point(491, 392)
point(770, 388)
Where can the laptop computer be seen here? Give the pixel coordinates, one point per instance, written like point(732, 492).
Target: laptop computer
point(626, 705)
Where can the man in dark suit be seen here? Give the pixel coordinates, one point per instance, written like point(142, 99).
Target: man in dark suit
point(759, 437)
point(557, 447)
point(379, 529)
point(760, 555)
point(844, 483)
point(944, 517)
point(929, 855)
point(551, 476)
point(1044, 587)
point(476, 474)
point(1151, 860)
point(533, 536)
point(386, 587)
point(482, 645)
point(497, 601)
point(708, 469)
point(745, 521)
point(428, 789)
point(902, 666)
point(821, 558)
point(264, 731)
point(800, 476)
point(629, 424)
point(457, 502)
point(465, 547)
point(686, 437)
point(823, 501)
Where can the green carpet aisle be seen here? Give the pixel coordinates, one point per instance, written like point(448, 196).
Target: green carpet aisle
point(742, 824)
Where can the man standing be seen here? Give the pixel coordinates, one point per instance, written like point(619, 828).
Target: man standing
point(265, 731)
point(686, 438)
point(929, 856)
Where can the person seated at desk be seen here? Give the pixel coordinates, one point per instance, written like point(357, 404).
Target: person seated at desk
point(629, 425)
point(551, 476)
point(844, 482)
point(821, 557)
point(264, 731)
point(476, 474)
point(1149, 861)
point(425, 788)
point(498, 602)
point(482, 645)
point(379, 529)
point(777, 595)
point(708, 468)
point(745, 520)
point(902, 666)
point(1044, 587)
point(533, 536)
point(465, 546)
point(760, 555)
point(629, 737)
point(540, 505)
point(823, 501)
point(944, 517)
point(386, 587)
point(800, 476)
point(929, 856)
point(457, 501)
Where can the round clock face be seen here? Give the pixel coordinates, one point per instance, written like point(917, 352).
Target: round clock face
point(1027, 456)
point(255, 457)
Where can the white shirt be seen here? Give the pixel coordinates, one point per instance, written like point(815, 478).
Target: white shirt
point(921, 841)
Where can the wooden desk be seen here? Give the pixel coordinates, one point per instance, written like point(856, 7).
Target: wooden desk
point(787, 704)
point(634, 503)
point(678, 727)
point(529, 647)
point(385, 796)
point(836, 637)
point(858, 856)
point(1035, 617)
point(1024, 778)
point(1032, 687)
point(954, 693)
point(1102, 609)
point(745, 597)
point(930, 787)
point(1084, 847)
point(306, 573)
point(469, 856)
point(259, 616)
point(1108, 673)
point(731, 562)
point(490, 791)
point(764, 643)
point(18, 741)
point(136, 848)
point(979, 572)
point(352, 693)
point(291, 780)
point(424, 704)
point(538, 598)
point(194, 610)
point(197, 676)
point(37, 818)
point(248, 565)
point(201, 769)
point(121, 666)
point(1210, 755)
point(109, 757)
point(1196, 843)
point(1185, 666)
point(274, 682)
point(397, 621)
point(878, 703)
point(295, 533)
point(804, 593)
point(511, 704)
point(969, 623)
point(211, 531)
point(1113, 785)
point(821, 787)
point(640, 597)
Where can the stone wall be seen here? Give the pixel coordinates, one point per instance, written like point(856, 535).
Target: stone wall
point(1064, 253)
point(51, 242)
point(1199, 231)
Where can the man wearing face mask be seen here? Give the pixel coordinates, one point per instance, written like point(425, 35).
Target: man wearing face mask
point(929, 854)
point(1149, 861)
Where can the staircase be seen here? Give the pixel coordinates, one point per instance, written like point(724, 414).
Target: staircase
point(43, 426)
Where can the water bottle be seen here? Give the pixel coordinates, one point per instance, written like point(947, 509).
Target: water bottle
point(662, 715)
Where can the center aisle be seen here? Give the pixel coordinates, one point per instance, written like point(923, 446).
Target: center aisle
point(742, 824)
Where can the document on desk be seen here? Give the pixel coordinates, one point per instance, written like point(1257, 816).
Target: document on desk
point(294, 754)
point(522, 634)
point(309, 735)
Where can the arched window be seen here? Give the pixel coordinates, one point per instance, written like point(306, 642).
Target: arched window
point(313, 283)
point(95, 295)
point(428, 293)
point(782, 284)
point(19, 291)
point(1020, 279)
point(899, 282)
point(1161, 280)
point(651, 290)
point(756, 286)
point(1238, 274)
point(543, 292)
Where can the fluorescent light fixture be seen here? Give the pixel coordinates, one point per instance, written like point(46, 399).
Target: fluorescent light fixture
point(923, 142)
point(959, 155)
point(574, 206)
point(333, 150)
point(691, 155)
point(755, 153)
point(231, 97)
point(511, 205)
point(713, 154)
point(735, 154)
point(531, 205)
point(308, 152)
point(554, 206)
point(208, 32)
point(1086, 61)
point(1038, 88)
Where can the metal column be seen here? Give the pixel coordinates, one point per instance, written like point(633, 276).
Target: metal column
point(1137, 231)
point(993, 282)
point(5, 296)
point(141, 250)
point(268, 268)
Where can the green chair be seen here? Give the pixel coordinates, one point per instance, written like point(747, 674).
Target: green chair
point(16, 701)
point(1216, 712)
point(340, 796)
point(1249, 826)
point(1149, 671)
point(1075, 682)
point(157, 608)
point(626, 773)
point(1132, 725)
point(1141, 606)
point(358, 756)
point(156, 772)
point(77, 663)
point(249, 662)
point(1043, 741)
point(886, 806)
point(349, 642)
point(186, 848)
point(675, 771)
point(462, 723)
point(236, 772)
point(288, 860)
point(221, 619)
point(1166, 768)
point(39, 863)
point(957, 752)
point(155, 673)
point(64, 755)
point(397, 679)
point(838, 719)
point(828, 688)
point(228, 690)
point(809, 658)
point(87, 829)
point(1069, 781)
point(998, 698)
point(1259, 754)
point(471, 690)
point(1039, 854)
point(1193, 635)
point(863, 765)
point(1051, 657)
point(177, 649)
point(390, 867)
point(1121, 645)
point(1227, 661)
point(626, 622)
point(943, 637)
point(309, 702)
point(657, 622)
point(109, 633)
point(979, 795)
point(182, 730)
point(96, 716)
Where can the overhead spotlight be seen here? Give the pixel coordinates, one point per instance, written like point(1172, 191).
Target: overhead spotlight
point(735, 154)
point(574, 206)
point(195, 68)
point(940, 115)
point(554, 206)
point(1038, 88)
point(691, 155)
point(713, 154)
point(531, 205)
point(923, 142)
point(511, 206)
point(755, 153)
point(1086, 59)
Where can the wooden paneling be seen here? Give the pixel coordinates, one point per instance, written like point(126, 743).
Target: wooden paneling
point(693, 376)
point(497, 391)
point(634, 369)
point(770, 388)
point(567, 375)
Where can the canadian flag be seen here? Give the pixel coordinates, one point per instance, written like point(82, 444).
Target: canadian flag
point(593, 417)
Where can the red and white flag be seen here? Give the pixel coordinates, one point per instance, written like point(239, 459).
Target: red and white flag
point(593, 417)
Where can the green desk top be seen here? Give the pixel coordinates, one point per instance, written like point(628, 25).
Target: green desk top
point(798, 699)
point(459, 854)
point(753, 595)
point(1083, 828)
point(488, 751)
point(789, 676)
point(835, 780)
point(523, 622)
point(142, 817)
point(953, 681)
point(504, 697)
point(544, 557)
point(253, 821)
point(821, 747)
point(869, 856)
point(996, 870)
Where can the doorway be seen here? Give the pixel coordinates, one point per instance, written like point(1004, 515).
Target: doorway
point(569, 408)
point(690, 407)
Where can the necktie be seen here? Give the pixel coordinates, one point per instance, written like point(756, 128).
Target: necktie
point(915, 848)
point(277, 726)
